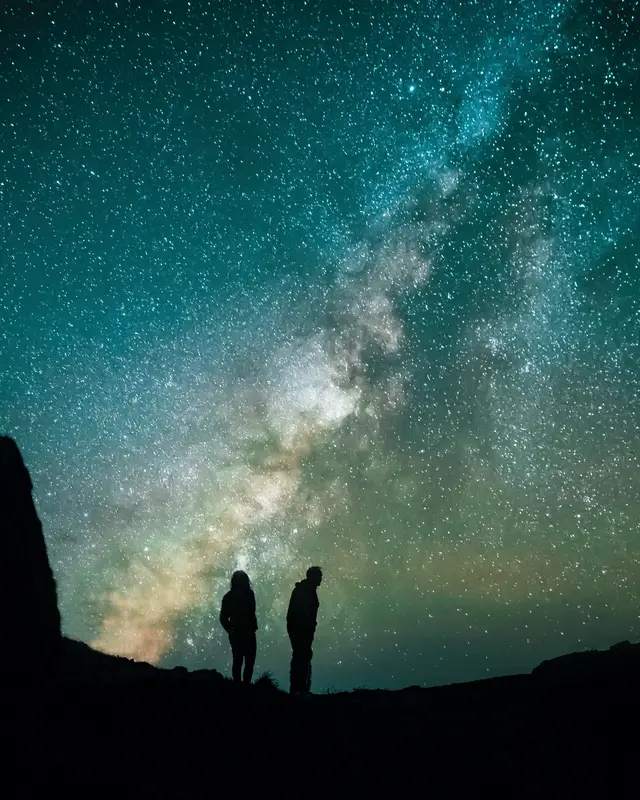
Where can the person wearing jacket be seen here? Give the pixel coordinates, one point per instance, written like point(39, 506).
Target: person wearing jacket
point(238, 618)
point(301, 627)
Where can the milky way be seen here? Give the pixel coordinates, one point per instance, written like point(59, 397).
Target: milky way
point(354, 285)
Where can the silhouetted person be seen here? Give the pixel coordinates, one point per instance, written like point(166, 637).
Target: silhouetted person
point(31, 623)
point(238, 618)
point(301, 627)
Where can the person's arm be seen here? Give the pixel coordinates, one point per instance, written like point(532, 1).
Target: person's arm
point(224, 614)
point(309, 610)
point(253, 610)
point(291, 611)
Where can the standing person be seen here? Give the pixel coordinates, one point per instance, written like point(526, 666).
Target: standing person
point(238, 618)
point(301, 627)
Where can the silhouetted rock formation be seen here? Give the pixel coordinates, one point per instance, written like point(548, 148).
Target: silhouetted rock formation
point(31, 620)
point(81, 665)
point(619, 661)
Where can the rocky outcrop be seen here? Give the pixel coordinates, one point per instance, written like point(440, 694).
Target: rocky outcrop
point(620, 660)
point(30, 616)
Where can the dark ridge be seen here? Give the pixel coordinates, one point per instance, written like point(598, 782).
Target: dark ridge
point(81, 664)
point(620, 661)
point(85, 724)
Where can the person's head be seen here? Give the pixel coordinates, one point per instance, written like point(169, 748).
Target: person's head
point(240, 581)
point(314, 575)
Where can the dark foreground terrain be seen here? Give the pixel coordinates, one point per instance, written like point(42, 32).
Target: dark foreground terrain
point(115, 730)
point(80, 724)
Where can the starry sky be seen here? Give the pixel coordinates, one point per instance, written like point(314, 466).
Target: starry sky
point(348, 284)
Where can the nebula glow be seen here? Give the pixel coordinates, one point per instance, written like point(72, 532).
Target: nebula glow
point(355, 287)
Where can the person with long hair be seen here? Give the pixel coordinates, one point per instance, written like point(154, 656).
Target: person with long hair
point(238, 618)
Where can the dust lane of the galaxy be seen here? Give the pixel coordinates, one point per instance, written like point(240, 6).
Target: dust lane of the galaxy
point(346, 284)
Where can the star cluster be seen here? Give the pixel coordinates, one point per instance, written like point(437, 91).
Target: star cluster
point(353, 284)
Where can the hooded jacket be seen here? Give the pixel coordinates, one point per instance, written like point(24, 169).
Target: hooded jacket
point(303, 608)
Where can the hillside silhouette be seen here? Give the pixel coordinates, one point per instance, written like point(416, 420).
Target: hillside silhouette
point(80, 723)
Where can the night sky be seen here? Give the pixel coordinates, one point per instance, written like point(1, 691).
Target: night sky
point(347, 284)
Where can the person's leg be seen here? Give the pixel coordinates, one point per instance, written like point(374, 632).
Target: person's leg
point(236, 650)
point(297, 665)
point(308, 676)
point(292, 665)
point(306, 670)
point(249, 657)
